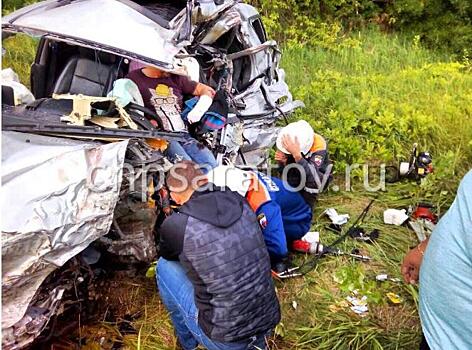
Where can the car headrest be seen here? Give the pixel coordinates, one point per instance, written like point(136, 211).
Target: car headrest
point(100, 56)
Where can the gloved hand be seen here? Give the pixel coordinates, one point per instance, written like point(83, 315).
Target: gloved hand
point(204, 102)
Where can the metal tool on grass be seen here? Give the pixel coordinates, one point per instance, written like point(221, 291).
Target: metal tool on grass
point(319, 249)
point(310, 264)
point(288, 273)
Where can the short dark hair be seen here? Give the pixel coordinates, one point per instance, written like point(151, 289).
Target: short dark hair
point(184, 175)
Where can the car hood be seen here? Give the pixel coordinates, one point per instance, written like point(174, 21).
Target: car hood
point(117, 26)
point(69, 190)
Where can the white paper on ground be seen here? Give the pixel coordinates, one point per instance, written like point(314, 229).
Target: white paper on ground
point(338, 219)
point(311, 237)
point(395, 216)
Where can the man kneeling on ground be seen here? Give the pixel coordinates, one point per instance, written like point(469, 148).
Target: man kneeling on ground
point(214, 272)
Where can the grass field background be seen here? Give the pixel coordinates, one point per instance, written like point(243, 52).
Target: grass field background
point(372, 98)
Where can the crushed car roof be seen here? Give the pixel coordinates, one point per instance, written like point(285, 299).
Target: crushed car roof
point(117, 26)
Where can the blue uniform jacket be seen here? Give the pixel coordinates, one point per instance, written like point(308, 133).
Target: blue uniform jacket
point(283, 215)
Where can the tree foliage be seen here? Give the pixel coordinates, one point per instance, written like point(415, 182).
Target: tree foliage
point(445, 24)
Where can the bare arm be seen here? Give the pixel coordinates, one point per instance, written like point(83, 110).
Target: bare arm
point(202, 89)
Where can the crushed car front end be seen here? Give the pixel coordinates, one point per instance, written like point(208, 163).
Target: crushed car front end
point(75, 192)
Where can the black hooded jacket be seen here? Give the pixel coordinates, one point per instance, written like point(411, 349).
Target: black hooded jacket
point(217, 238)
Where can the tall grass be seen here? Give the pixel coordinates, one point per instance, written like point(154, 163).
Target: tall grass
point(20, 51)
point(372, 99)
point(378, 95)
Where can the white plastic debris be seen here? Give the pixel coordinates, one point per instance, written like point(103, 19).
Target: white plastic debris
point(395, 216)
point(422, 227)
point(384, 277)
point(358, 305)
point(311, 237)
point(20, 92)
point(381, 277)
point(294, 304)
point(338, 219)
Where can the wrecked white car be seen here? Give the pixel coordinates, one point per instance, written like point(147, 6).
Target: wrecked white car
point(78, 187)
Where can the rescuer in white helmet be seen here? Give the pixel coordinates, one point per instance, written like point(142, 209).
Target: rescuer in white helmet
point(298, 144)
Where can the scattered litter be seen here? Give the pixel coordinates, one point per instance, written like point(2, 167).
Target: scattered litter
point(294, 305)
point(333, 308)
point(311, 237)
point(151, 271)
point(286, 272)
point(340, 305)
point(357, 254)
point(394, 298)
point(338, 219)
point(422, 227)
point(395, 216)
point(358, 305)
point(359, 234)
point(373, 235)
point(384, 277)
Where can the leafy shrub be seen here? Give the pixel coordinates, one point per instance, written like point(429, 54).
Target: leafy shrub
point(373, 101)
point(439, 23)
point(20, 51)
point(324, 23)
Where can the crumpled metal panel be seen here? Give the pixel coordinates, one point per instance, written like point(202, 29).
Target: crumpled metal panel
point(227, 21)
point(109, 23)
point(58, 196)
point(32, 323)
point(261, 135)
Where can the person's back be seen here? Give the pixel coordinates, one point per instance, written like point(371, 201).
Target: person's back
point(216, 238)
point(286, 214)
point(282, 213)
point(446, 276)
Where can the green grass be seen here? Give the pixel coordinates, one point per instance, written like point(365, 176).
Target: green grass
point(375, 97)
point(20, 51)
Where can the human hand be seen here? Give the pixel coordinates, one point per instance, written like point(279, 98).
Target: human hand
point(280, 157)
point(411, 265)
point(292, 145)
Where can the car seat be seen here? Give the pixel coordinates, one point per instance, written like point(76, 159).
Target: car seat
point(90, 73)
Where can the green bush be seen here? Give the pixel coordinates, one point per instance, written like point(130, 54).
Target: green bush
point(310, 22)
point(20, 51)
point(439, 23)
point(445, 24)
point(374, 100)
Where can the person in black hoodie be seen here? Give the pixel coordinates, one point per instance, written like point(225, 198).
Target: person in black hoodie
point(214, 273)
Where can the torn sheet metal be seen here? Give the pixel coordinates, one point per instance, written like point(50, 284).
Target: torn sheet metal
point(58, 196)
point(260, 135)
point(74, 22)
point(32, 323)
point(227, 21)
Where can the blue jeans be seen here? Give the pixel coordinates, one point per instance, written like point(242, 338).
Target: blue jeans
point(177, 294)
point(191, 149)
